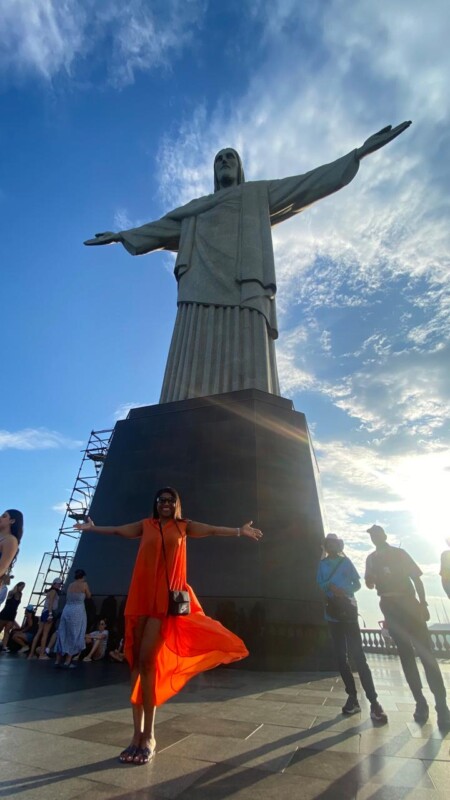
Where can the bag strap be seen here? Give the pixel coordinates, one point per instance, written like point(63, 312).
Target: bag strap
point(164, 549)
point(341, 561)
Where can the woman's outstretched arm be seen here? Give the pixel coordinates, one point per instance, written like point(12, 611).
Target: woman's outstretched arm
point(131, 531)
point(200, 529)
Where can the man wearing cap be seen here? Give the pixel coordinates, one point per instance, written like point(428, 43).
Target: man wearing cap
point(396, 577)
point(338, 578)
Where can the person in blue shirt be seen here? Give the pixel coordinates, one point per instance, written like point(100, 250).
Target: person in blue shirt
point(339, 580)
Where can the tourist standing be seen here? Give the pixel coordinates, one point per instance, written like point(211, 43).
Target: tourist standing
point(70, 640)
point(339, 580)
point(397, 579)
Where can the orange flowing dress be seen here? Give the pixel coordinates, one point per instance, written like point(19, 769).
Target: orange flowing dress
point(191, 643)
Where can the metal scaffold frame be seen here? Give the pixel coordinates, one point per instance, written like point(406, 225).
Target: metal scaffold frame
point(56, 564)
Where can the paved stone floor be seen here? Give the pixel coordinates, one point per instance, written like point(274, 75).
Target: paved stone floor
point(230, 734)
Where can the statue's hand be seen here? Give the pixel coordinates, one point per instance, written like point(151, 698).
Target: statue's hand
point(104, 238)
point(381, 138)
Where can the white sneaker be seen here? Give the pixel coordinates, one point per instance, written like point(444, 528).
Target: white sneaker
point(24, 649)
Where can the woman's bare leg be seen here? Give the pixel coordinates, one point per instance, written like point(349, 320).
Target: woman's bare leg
point(36, 640)
point(127, 755)
point(45, 634)
point(150, 644)
point(8, 629)
point(20, 638)
point(94, 648)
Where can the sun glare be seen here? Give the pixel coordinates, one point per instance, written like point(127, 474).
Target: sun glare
point(424, 484)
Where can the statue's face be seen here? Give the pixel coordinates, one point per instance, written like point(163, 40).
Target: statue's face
point(226, 167)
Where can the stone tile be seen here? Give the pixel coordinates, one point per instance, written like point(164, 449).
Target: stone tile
point(57, 725)
point(243, 783)
point(164, 777)
point(257, 713)
point(326, 765)
point(103, 791)
point(117, 735)
point(293, 716)
point(361, 769)
point(372, 791)
point(439, 772)
point(124, 715)
point(428, 731)
point(32, 783)
point(213, 725)
point(270, 748)
point(44, 750)
point(320, 738)
point(405, 746)
point(304, 698)
point(17, 715)
point(399, 772)
point(361, 723)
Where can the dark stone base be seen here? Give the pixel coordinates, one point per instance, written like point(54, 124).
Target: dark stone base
point(233, 457)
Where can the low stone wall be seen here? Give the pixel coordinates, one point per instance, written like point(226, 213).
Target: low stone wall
point(376, 641)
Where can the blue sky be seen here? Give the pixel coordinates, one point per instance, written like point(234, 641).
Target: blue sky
point(111, 115)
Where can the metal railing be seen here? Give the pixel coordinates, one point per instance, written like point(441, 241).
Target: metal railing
point(376, 641)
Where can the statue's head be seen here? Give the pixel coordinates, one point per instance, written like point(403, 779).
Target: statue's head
point(228, 169)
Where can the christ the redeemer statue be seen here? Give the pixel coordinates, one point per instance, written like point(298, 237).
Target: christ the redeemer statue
point(226, 322)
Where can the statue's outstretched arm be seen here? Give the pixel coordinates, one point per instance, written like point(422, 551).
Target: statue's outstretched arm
point(381, 138)
point(104, 238)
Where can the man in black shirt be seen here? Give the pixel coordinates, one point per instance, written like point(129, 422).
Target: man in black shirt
point(396, 577)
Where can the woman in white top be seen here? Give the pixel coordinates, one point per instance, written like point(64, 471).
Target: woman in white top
point(11, 529)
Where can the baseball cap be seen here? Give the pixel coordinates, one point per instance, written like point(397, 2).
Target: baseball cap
point(29, 608)
point(376, 529)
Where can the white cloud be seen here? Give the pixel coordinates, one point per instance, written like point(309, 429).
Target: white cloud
point(52, 37)
point(35, 439)
point(41, 37)
point(60, 508)
point(122, 221)
point(124, 409)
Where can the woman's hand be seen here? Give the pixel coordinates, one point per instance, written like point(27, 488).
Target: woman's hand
point(251, 533)
point(84, 526)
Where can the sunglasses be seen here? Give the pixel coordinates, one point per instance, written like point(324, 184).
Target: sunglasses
point(163, 500)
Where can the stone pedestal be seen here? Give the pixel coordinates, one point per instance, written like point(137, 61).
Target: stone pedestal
point(235, 457)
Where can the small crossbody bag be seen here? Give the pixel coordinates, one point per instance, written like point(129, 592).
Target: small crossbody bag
point(179, 601)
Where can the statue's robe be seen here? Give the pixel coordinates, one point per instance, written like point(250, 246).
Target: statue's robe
point(226, 323)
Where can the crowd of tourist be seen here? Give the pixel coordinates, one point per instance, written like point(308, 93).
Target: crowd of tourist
point(168, 638)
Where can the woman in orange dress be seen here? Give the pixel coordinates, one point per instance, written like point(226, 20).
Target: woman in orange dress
point(165, 651)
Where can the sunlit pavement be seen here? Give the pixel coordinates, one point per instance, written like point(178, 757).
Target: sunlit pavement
point(230, 733)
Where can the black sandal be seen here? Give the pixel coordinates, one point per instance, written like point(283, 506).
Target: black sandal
point(127, 756)
point(143, 755)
